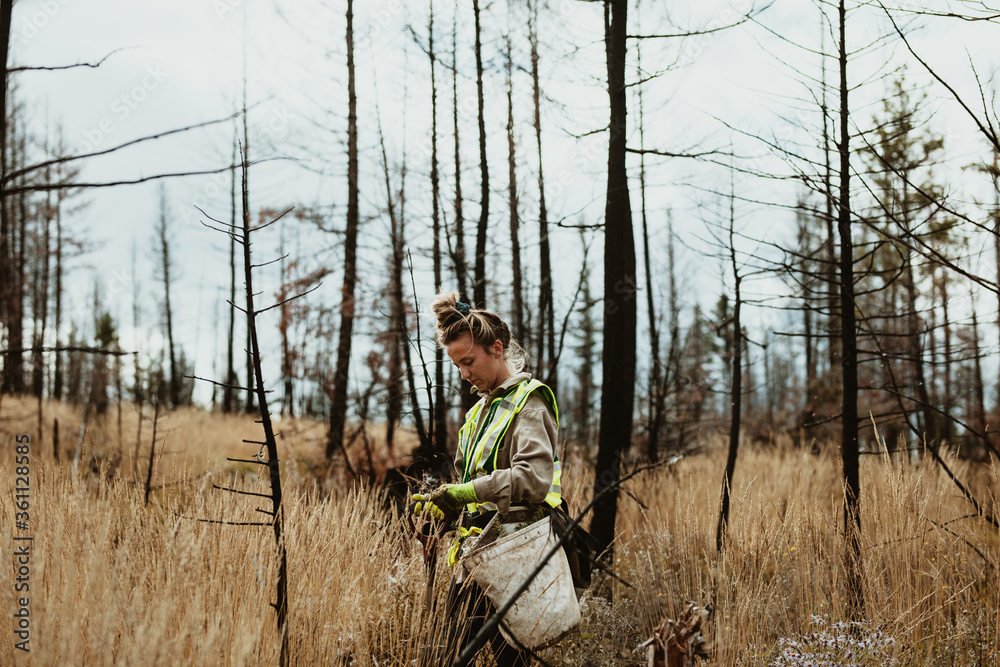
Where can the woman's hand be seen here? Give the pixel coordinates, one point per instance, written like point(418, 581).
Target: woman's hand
point(452, 498)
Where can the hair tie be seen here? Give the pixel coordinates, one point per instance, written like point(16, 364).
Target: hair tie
point(463, 308)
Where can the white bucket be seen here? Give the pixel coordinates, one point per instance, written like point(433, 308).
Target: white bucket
point(548, 608)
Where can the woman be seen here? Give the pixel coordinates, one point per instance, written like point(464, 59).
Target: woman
point(507, 447)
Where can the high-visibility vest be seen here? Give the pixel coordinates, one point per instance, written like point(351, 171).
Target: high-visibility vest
point(481, 437)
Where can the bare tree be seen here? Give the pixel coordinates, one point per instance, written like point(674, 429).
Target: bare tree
point(440, 407)
point(228, 397)
point(458, 258)
point(736, 387)
point(163, 249)
point(517, 316)
point(655, 394)
point(338, 408)
point(546, 355)
point(479, 276)
point(618, 360)
point(848, 342)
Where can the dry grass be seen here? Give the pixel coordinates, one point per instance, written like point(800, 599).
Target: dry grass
point(114, 582)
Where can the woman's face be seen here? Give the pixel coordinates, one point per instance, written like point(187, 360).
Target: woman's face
point(484, 368)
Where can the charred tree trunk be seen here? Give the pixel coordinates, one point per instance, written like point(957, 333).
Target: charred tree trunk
point(546, 306)
point(277, 507)
point(440, 423)
point(338, 408)
point(284, 323)
point(138, 393)
point(517, 317)
point(6, 248)
point(228, 393)
point(833, 351)
point(978, 391)
point(41, 307)
point(618, 362)
point(735, 394)
point(152, 452)
point(655, 385)
point(672, 371)
point(459, 259)
point(479, 280)
point(848, 341)
point(163, 237)
point(396, 337)
point(57, 373)
point(13, 258)
point(245, 197)
point(948, 398)
point(995, 172)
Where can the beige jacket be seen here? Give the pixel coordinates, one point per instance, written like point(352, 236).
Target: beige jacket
point(524, 465)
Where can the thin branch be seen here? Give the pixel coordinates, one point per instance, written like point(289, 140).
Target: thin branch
point(53, 68)
point(220, 384)
point(695, 33)
point(44, 187)
point(18, 173)
point(243, 493)
point(291, 298)
point(260, 463)
point(988, 133)
point(224, 523)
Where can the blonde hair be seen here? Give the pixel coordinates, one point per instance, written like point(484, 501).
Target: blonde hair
point(455, 318)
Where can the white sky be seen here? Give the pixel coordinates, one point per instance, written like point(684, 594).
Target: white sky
point(184, 62)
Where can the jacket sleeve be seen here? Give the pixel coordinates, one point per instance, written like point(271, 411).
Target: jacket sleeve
point(529, 477)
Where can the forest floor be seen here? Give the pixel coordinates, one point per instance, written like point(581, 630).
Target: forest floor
point(115, 581)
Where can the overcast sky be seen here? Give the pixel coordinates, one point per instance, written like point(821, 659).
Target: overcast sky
point(182, 63)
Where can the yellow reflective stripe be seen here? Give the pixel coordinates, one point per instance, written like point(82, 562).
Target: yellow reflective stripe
point(480, 444)
point(518, 402)
point(488, 442)
point(464, 435)
point(498, 419)
point(554, 497)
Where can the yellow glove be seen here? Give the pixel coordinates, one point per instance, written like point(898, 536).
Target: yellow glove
point(456, 545)
point(422, 504)
point(453, 498)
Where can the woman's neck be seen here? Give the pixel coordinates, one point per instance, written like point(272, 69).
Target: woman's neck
point(503, 375)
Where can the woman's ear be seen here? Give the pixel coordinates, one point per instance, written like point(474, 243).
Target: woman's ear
point(497, 349)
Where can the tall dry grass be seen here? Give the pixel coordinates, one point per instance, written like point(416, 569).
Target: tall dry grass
point(117, 583)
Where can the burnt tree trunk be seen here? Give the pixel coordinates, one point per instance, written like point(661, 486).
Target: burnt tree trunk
point(459, 259)
point(735, 391)
point(655, 384)
point(7, 312)
point(618, 362)
point(57, 373)
point(439, 418)
point(396, 336)
point(517, 317)
point(546, 360)
point(479, 279)
point(849, 350)
point(338, 408)
point(277, 507)
point(228, 393)
point(163, 238)
point(246, 202)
